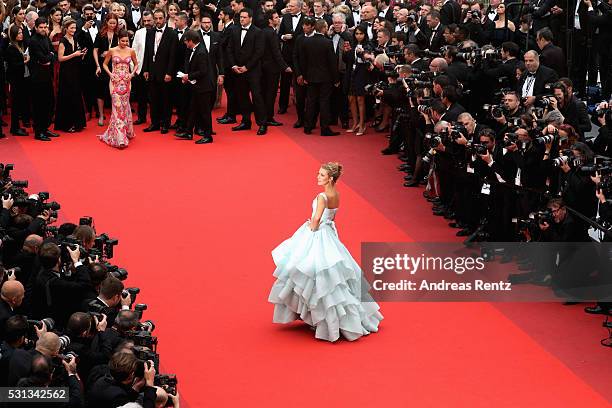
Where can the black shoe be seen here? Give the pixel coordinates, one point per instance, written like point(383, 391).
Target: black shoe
point(282, 111)
point(403, 167)
point(42, 137)
point(204, 140)
point(388, 151)
point(164, 130)
point(151, 128)
point(597, 309)
point(222, 117)
point(439, 213)
point(19, 132)
point(449, 216)
point(298, 124)
point(411, 183)
point(51, 134)
point(242, 126)
point(307, 131)
point(457, 225)
point(273, 123)
point(408, 177)
point(263, 129)
point(464, 232)
point(329, 132)
point(184, 136)
point(226, 121)
point(139, 121)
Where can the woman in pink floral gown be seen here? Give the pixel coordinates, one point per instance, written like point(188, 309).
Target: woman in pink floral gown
point(120, 128)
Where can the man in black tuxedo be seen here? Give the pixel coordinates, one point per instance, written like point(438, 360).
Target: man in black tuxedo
point(29, 27)
point(290, 29)
point(550, 54)
point(507, 68)
point(341, 39)
point(180, 90)
point(41, 75)
point(64, 6)
point(450, 13)
point(246, 47)
point(319, 12)
point(272, 65)
point(436, 37)
point(229, 82)
point(100, 12)
point(412, 55)
point(259, 13)
point(159, 69)
point(299, 88)
point(86, 36)
point(534, 78)
point(200, 74)
point(110, 299)
point(133, 15)
point(320, 72)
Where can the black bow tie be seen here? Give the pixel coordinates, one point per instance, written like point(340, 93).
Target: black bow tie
point(136, 9)
point(98, 11)
point(245, 29)
point(529, 74)
point(295, 16)
point(208, 33)
point(180, 31)
point(369, 24)
point(159, 30)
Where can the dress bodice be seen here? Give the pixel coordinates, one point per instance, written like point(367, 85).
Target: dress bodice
point(328, 213)
point(121, 64)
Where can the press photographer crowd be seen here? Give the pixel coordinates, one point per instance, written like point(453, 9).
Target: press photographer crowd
point(66, 317)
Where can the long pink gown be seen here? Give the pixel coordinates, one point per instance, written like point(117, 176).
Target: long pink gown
point(120, 128)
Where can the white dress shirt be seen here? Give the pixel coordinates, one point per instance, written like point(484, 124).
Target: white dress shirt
point(139, 46)
point(243, 33)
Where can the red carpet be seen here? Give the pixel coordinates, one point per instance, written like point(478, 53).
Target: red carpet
point(196, 225)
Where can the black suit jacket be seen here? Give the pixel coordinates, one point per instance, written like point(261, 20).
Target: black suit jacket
point(104, 12)
point(5, 313)
point(286, 27)
point(552, 56)
point(272, 60)
point(215, 53)
point(226, 34)
point(165, 61)
point(453, 112)
point(250, 52)
point(15, 64)
point(41, 53)
point(450, 13)
point(198, 67)
point(505, 69)
point(424, 39)
point(319, 60)
point(544, 75)
point(106, 392)
point(129, 21)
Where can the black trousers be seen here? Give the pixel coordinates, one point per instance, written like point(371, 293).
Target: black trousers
point(161, 104)
point(269, 86)
point(339, 104)
point(183, 103)
point(318, 95)
point(89, 87)
point(42, 105)
point(286, 80)
point(229, 84)
point(249, 96)
point(140, 92)
point(20, 99)
point(300, 100)
point(200, 111)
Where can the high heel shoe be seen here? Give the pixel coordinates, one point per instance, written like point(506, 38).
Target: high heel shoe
point(101, 121)
point(353, 129)
point(361, 131)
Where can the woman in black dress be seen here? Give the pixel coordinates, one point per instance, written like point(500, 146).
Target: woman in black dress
point(70, 115)
point(17, 71)
point(359, 72)
point(106, 39)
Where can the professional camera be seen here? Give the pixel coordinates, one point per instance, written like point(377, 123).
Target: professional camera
point(602, 168)
point(605, 185)
point(105, 245)
point(372, 89)
point(476, 148)
point(428, 157)
point(475, 14)
point(479, 54)
point(166, 381)
point(563, 159)
point(605, 113)
point(496, 111)
point(131, 292)
point(140, 308)
point(389, 70)
point(5, 170)
point(549, 138)
point(117, 272)
point(510, 139)
point(86, 220)
point(142, 338)
point(395, 51)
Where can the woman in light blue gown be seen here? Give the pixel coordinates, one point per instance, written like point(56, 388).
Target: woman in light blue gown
point(318, 281)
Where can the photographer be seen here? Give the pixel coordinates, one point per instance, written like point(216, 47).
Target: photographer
point(55, 294)
point(603, 142)
point(507, 68)
point(26, 260)
point(48, 344)
point(413, 57)
point(15, 330)
point(87, 340)
point(122, 386)
point(110, 299)
point(507, 115)
point(11, 296)
point(457, 68)
point(450, 98)
point(572, 109)
point(577, 187)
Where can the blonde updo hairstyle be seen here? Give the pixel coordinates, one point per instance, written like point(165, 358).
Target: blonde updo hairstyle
point(333, 169)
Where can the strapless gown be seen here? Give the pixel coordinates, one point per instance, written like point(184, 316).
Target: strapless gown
point(120, 127)
point(319, 282)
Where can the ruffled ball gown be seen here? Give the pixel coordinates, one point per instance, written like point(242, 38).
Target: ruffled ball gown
point(319, 282)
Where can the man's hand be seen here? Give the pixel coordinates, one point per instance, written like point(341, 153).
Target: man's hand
point(149, 373)
point(220, 80)
point(486, 157)
point(8, 202)
point(529, 100)
point(95, 260)
point(286, 37)
point(101, 325)
point(554, 103)
point(461, 140)
point(74, 254)
point(236, 69)
point(126, 301)
point(501, 119)
point(565, 167)
point(145, 75)
point(45, 215)
point(544, 226)
point(167, 78)
point(512, 147)
point(175, 399)
point(289, 70)
point(40, 331)
point(600, 195)
point(185, 78)
point(71, 366)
